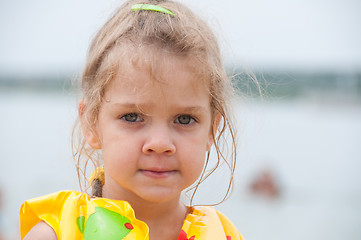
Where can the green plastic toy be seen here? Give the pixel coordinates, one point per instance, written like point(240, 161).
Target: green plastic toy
point(104, 224)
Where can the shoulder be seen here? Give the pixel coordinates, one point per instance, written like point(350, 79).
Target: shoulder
point(217, 220)
point(41, 231)
point(49, 202)
point(47, 209)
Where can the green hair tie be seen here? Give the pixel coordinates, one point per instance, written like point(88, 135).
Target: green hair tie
point(150, 7)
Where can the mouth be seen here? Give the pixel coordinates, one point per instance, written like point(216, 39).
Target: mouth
point(157, 173)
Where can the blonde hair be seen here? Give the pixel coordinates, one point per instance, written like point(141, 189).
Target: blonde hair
point(181, 34)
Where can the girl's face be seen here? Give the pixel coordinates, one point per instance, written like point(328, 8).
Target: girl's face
point(153, 129)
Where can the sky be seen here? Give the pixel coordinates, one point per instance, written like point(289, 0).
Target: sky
point(45, 36)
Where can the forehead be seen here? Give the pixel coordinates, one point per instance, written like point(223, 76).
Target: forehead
point(146, 70)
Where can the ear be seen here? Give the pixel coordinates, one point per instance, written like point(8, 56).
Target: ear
point(89, 131)
point(213, 131)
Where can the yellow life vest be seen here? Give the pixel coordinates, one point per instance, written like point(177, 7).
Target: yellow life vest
point(73, 215)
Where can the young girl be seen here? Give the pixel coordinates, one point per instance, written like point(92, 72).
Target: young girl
point(154, 105)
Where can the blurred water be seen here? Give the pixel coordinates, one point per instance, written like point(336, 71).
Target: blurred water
point(312, 148)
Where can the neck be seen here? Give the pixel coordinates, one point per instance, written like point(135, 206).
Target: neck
point(149, 211)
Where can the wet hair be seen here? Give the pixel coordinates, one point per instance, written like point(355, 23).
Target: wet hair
point(122, 41)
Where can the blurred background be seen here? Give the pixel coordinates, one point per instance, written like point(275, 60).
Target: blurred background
point(299, 162)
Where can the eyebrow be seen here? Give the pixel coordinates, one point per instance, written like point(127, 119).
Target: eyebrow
point(142, 106)
point(194, 109)
point(127, 105)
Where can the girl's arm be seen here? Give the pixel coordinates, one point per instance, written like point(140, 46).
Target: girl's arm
point(41, 231)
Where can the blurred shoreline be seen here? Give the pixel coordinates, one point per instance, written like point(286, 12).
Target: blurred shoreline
point(272, 85)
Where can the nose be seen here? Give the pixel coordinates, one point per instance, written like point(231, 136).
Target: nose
point(159, 140)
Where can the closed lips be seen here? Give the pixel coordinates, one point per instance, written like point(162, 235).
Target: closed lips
point(157, 173)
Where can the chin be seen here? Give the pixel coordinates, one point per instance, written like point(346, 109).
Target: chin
point(160, 196)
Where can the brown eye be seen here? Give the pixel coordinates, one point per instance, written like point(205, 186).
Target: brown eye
point(184, 119)
point(131, 117)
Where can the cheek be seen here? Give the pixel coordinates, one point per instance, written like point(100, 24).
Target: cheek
point(193, 158)
point(193, 168)
point(120, 160)
point(118, 149)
